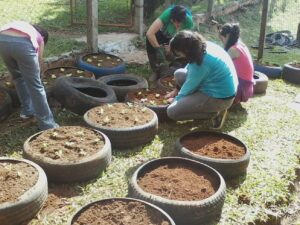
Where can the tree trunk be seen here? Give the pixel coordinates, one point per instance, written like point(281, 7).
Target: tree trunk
point(210, 7)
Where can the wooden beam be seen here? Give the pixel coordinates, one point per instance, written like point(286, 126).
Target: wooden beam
point(298, 34)
point(139, 16)
point(263, 26)
point(92, 25)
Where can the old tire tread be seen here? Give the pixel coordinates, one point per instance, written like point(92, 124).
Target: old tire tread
point(183, 212)
point(121, 91)
point(228, 168)
point(128, 137)
point(85, 169)
point(29, 203)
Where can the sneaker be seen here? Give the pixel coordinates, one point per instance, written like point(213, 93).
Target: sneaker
point(219, 120)
point(26, 117)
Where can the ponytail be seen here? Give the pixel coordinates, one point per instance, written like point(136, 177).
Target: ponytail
point(233, 30)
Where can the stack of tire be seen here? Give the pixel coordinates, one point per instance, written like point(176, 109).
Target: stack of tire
point(291, 73)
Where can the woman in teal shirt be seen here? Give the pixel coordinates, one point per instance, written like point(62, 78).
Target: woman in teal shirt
point(208, 83)
point(159, 34)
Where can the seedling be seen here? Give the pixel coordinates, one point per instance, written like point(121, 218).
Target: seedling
point(94, 57)
point(99, 64)
point(106, 119)
point(53, 76)
point(89, 60)
point(157, 95)
point(62, 69)
point(79, 71)
point(69, 74)
point(107, 57)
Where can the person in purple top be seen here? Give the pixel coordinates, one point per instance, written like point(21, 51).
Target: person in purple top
point(21, 48)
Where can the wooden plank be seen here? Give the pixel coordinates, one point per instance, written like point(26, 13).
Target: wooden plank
point(263, 26)
point(139, 16)
point(92, 25)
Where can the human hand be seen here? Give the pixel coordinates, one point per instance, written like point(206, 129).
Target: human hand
point(160, 54)
point(170, 100)
point(171, 94)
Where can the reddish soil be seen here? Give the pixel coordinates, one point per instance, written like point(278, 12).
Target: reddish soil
point(296, 65)
point(58, 198)
point(120, 212)
point(213, 147)
point(102, 60)
point(15, 179)
point(120, 115)
point(179, 182)
point(50, 75)
point(168, 82)
point(67, 143)
point(149, 97)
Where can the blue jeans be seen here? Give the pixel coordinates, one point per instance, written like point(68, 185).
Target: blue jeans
point(22, 62)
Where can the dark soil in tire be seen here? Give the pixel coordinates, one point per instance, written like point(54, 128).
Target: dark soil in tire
point(148, 97)
point(167, 83)
point(223, 152)
point(15, 179)
point(119, 115)
point(123, 83)
point(5, 104)
point(153, 99)
point(178, 182)
point(24, 189)
point(102, 60)
point(69, 153)
point(118, 211)
point(165, 177)
point(67, 143)
point(7, 84)
point(49, 76)
point(127, 125)
point(297, 65)
point(213, 147)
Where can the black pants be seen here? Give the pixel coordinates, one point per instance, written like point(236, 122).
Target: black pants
point(151, 51)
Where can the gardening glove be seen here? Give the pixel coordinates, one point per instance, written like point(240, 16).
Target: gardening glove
point(160, 55)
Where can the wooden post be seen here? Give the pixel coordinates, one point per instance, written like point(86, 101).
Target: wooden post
point(263, 25)
point(298, 34)
point(139, 16)
point(92, 25)
point(210, 8)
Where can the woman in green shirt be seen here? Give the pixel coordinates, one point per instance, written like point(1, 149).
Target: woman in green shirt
point(159, 34)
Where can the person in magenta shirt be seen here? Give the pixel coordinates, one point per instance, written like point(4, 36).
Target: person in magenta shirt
point(242, 60)
point(21, 48)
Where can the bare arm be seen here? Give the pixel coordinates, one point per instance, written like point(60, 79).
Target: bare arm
point(153, 29)
point(234, 53)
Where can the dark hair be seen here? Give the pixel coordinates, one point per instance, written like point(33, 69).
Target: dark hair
point(190, 43)
point(178, 13)
point(44, 33)
point(233, 30)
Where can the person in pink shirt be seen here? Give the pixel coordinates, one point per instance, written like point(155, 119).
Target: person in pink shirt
point(21, 48)
point(242, 60)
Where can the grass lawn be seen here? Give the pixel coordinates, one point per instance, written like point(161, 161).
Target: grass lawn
point(268, 127)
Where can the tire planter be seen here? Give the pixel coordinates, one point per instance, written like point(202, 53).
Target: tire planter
point(160, 108)
point(228, 168)
point(123, 83)
point(270, 71)
point(125, 137)
point(183, 212)
point(5, 104)
point(51, 74)
point(166, 83)
point(166, 219)
point(28, 204)
point(77, 170)
point(81, 94)
point(261, 83)
point(291, 73)
point(8, 86)
point(101, 70)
